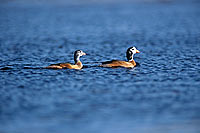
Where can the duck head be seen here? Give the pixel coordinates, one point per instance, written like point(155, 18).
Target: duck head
point(78, 54)
point(130, 52)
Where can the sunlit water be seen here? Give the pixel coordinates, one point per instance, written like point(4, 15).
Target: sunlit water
point(162, 94)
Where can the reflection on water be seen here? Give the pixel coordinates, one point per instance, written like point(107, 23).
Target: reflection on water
point(160, 95)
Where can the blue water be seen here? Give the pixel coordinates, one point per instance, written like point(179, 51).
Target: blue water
point(162, 94)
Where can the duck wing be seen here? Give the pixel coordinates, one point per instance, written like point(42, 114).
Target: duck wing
point(117, 63)
point(58, 66)
point(109, 62)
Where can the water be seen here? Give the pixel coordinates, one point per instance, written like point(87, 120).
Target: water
point(160, 95)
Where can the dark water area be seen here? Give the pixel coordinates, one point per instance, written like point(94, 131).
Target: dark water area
point(162, 94)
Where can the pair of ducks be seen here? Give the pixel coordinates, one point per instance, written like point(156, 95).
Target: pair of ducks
point(113, 63)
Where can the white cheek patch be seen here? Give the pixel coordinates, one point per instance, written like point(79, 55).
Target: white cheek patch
point(133, 50)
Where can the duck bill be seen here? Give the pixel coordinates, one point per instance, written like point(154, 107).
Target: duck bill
point(84, 54)
point(137, 51)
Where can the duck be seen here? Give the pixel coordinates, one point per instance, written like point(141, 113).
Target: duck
point(118, 63)
point(76, 65)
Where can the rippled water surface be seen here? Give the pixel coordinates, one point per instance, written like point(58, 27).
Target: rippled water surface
point(162, 94)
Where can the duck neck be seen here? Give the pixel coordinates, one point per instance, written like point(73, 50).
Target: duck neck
point(76, 59)
point(129, 58)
